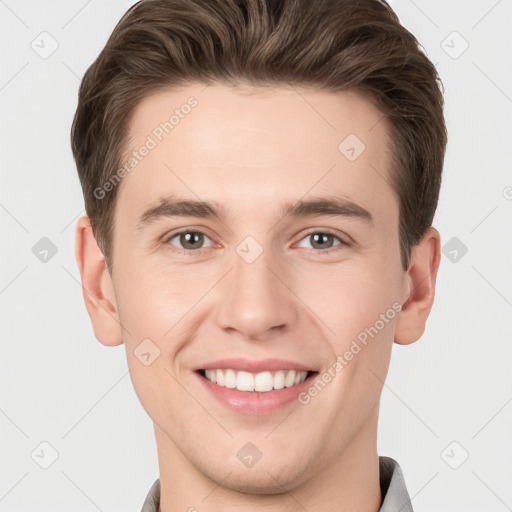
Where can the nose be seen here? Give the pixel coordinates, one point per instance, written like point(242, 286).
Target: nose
point(257, 302)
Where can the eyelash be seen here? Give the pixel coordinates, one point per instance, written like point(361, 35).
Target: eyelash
point(191, 252)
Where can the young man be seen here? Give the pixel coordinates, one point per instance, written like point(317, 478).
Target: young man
point(260, 179)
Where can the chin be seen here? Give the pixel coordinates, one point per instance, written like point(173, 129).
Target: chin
point(264, 478)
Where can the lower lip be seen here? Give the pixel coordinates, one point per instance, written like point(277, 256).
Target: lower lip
point(254, 402)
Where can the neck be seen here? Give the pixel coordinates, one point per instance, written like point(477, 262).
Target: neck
point(342, 482)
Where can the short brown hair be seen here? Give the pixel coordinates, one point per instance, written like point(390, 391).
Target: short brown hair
point(335, 45)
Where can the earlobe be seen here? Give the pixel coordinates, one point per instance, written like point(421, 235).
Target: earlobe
point(97, 285)
point(421, 278)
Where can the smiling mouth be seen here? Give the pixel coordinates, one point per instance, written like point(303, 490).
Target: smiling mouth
point(261, 382)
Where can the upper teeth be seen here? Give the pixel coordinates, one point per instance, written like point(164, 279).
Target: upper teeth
point(264, 381)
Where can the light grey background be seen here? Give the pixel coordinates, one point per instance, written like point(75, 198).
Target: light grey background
point(447, 396)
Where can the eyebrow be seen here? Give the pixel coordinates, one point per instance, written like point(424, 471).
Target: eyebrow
point(316, 206)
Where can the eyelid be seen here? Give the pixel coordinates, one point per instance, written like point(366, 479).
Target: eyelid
point(342, 237)
point(344, 240)
point(169, 236)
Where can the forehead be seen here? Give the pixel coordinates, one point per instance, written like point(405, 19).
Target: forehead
point(248, 145)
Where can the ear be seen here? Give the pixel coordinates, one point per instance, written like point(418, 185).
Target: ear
point(421, 286)
point(97, 285)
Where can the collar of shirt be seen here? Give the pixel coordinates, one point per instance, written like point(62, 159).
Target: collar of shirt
point(392, 485)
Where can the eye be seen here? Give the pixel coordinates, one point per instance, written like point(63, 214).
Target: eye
point(190, 241)
point(322, 241)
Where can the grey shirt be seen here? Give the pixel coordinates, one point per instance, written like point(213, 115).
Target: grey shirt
point(392, 486)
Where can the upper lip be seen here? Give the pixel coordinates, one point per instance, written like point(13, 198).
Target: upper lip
point(253, 366)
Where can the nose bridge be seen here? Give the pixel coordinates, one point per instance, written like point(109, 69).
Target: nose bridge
point(256, 300)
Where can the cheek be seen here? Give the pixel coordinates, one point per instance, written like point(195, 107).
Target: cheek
point(351, 296)
point(154, 306)
point(152, 313)
point(152, 300)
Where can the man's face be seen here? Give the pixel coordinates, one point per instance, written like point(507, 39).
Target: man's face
point(255, 284)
